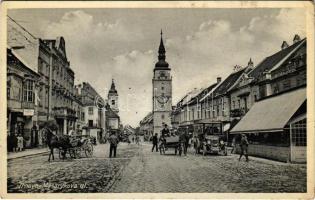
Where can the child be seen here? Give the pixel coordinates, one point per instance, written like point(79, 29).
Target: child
point(20, 142)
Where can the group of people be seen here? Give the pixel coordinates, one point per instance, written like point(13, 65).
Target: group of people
point(15, 143)
point(187, 140)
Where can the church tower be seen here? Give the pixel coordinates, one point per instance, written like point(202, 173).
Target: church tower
point(113, 98)
point(162, 92)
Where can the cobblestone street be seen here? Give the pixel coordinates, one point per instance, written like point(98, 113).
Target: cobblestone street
point(137, 169)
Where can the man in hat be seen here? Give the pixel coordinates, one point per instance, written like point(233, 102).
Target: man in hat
point(165, 131)
point(244, 147)
point(113, 141)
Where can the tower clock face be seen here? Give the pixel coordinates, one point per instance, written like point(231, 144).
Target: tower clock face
point(162, 99)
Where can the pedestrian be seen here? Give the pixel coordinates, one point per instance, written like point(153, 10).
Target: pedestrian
point(162, 142)
point(155, 142)
point(196, 144)
point(233, 145)
point(183, 141)
point(244, 147)
point(20, 142)
point(113, 141)
point(137, 140)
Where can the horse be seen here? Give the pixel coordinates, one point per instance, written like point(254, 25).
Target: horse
point(53, 141)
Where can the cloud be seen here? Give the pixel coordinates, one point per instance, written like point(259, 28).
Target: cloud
point(102, 50)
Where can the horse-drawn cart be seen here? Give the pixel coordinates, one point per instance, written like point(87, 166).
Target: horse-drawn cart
point(171, 142)
point(77, 147)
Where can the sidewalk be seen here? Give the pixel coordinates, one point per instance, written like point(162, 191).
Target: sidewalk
point(27, 152)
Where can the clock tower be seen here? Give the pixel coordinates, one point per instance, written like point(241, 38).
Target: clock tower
point(162, 92)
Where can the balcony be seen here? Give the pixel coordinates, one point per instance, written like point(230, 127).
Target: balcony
point(64, 112)
point(28, 105)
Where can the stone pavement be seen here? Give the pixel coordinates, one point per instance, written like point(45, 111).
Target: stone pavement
point(152, 172)
point(27, 152)
point(137, 169)
point(96, 174)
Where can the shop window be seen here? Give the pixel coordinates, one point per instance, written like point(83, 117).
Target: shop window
point(286, 84)
point(28, 92)
point(298, 131)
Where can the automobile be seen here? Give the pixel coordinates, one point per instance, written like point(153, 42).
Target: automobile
point(213, 144)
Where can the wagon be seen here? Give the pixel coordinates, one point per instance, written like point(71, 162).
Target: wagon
point(78, 147)
point(171, 142)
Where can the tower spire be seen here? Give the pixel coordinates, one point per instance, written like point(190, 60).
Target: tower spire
point(161, 63)
point(161, 48)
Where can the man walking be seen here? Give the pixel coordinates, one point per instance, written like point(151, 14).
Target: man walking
point(244, 147)
point(113, 140)
point(155, 142)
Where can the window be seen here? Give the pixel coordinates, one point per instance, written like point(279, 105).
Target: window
point(286, 84)
point(82, 116)
point(28, 92)
point(90, 123)
point(162, 88)
point(113, 102)
point(298, 130)
point(90, 110)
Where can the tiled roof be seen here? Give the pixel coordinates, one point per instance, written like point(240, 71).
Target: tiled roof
point(270, 61)
point(228, 82)
point(202, 93)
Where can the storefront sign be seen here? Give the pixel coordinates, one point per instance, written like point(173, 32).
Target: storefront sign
point(28, 112)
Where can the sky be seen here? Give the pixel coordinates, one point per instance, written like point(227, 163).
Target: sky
point(122, 44)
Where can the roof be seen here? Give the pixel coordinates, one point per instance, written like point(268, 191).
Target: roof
point(203, 93)
point(147, 119)
point(271, 114)
point(190, 95)
point(228, 82)
point(23, 44)
point(269, 62)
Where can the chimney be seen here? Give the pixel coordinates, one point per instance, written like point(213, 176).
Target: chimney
point(250, 63)
point(219, 79)
point(284, 45)
point(296, 38)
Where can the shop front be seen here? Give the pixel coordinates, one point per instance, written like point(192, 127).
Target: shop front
point(276, 127)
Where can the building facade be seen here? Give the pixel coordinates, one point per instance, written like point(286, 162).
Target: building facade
point(93, 111)
point(22, 88)
point(146, 126)
point(162, 92)
point(22, 84)
point(278, 85)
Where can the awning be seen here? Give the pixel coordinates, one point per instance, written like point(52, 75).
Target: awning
point(271, 114)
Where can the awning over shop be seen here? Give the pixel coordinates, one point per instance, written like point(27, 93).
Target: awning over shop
point(271, 114)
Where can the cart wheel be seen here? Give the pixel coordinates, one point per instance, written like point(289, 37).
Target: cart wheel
point(89, 150)
point(78, 152)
